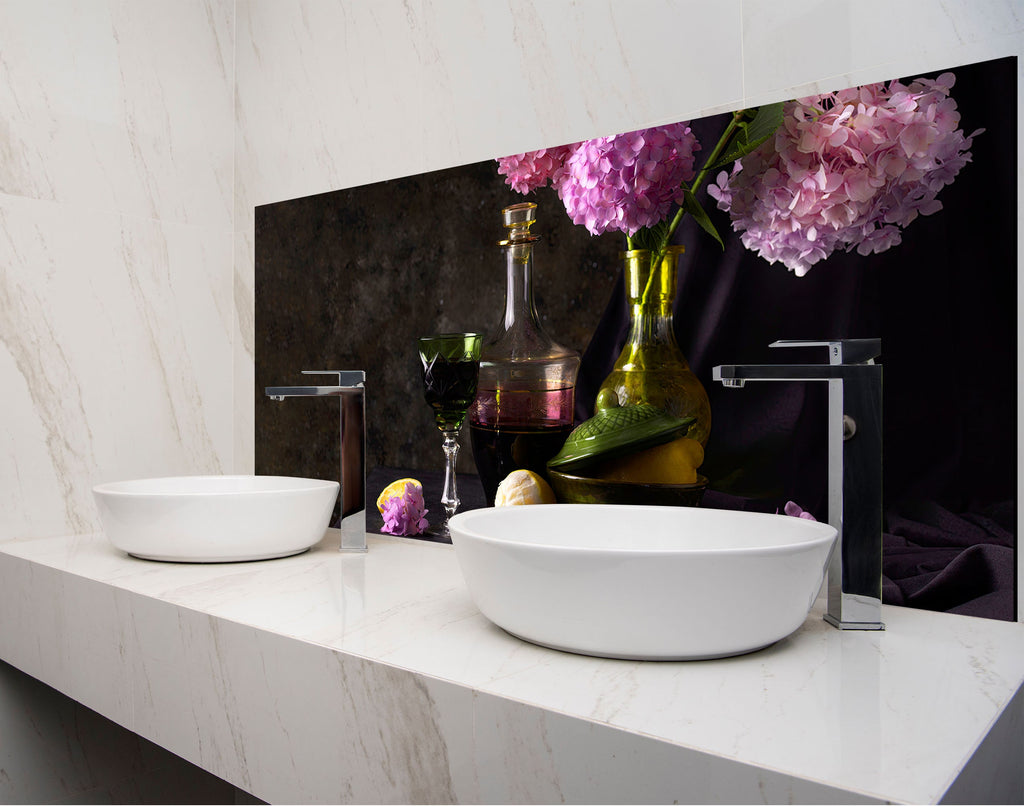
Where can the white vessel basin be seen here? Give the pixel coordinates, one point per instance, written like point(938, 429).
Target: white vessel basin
point(642, 582)
point(209, 519)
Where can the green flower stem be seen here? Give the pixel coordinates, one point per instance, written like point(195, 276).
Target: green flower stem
point(698, 181)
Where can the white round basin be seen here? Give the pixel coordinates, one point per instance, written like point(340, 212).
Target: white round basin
point(642, 582)
point(204, 519)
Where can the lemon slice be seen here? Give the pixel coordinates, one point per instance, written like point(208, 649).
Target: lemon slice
point(395, 488)
point(523, 487)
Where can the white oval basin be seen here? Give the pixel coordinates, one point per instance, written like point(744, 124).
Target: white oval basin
point(208, 519)
point(642, 582)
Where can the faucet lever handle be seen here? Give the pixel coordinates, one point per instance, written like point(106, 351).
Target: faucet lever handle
point(840, 351)
point(342, 376)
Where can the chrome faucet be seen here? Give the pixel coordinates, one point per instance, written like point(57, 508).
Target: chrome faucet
point(854, 468)
point(350, 389)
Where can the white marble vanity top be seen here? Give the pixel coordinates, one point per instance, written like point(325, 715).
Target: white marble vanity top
point(372, 678)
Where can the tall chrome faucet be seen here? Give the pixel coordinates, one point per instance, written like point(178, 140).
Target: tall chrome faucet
point(350, 389)
point(854, 468)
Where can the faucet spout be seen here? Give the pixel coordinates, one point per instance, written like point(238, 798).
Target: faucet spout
point(854, 468)
point(350, 389)
point(738, 374)
point(350, 382)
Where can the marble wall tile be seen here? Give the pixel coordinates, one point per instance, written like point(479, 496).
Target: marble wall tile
point(116, 311)
point(332, 96)
point(244, 351)
point(120, 106)
point(117, 335)
point(821, 46)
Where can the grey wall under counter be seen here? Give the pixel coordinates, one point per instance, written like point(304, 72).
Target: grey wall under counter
point(350, 279)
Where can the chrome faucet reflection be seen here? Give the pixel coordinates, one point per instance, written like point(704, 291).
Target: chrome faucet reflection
point(854, 468)
point(350, 388)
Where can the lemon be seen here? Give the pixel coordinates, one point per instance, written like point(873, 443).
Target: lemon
point(674, 462)
point(523, 487)
point(395, 488)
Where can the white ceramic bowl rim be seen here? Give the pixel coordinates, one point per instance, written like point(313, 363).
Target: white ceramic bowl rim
point(816, 532)
point(238, 485)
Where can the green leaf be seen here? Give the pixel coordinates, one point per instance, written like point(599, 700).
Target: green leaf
point(693, 207)
point(750, 134)
point(764, 124)
point(652, 238)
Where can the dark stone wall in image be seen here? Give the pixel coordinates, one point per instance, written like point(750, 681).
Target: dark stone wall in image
point(350, 280)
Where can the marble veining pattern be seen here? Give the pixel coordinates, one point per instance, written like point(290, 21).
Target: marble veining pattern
point(103, 109)
point(42, 385)
point(779, 48)
point(115, 373)
point(411, 693)
point(116, 246)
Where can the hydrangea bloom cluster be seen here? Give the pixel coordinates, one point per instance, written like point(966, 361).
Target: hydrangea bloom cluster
point(846, 170)
point(628, 181)
point(405, 514)
point(619, 183)
point(534, 169)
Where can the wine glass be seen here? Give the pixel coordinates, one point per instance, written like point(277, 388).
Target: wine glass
point(451, 362)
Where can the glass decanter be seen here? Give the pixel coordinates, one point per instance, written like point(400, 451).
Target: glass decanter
point(525, 393)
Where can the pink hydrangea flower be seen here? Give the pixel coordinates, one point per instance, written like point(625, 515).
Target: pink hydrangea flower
point(405, 514)
point(846, 170)
point(796, 511)
point(630, 180)
point(534, 169)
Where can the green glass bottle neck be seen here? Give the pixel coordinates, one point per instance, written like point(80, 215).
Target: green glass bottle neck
point(652, 323)
point(651, 292)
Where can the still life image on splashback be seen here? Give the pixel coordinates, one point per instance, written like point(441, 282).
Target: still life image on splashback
point(885, 211)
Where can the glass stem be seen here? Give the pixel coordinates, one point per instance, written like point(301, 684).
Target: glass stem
point(450, 496)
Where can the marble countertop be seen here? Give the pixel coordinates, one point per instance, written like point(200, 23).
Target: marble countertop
point(329, 677)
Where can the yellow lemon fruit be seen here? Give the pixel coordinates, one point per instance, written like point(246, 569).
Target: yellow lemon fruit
point(395, 488)
point(674, 462)
point(523, 487)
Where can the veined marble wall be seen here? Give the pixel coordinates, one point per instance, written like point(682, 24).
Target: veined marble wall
point(334, 95)
point(116, 309)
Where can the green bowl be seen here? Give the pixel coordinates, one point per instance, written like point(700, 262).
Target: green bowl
point(581, 490)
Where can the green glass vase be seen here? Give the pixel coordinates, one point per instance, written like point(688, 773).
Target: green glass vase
point(651, 368)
